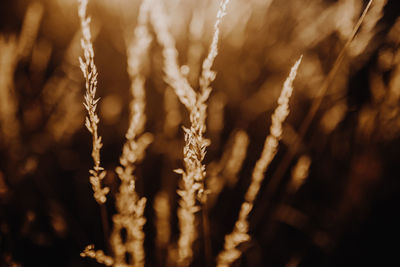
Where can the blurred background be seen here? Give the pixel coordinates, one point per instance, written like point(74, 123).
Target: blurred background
point(334, 205)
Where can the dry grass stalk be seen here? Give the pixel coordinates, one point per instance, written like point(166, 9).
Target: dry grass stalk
point(195, 150)
point(193, 154)
point(129, 205)
point(195, 144)
point(207, 75)
point(272, 141)
point(89, 71)
point(240, 234)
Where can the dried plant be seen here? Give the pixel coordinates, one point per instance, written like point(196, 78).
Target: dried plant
point(195, 144)
point(129, 205)
point(344, 113)
point(89, 71)
point(240, 234)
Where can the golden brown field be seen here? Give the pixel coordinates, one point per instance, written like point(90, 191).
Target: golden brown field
point(199, 133)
